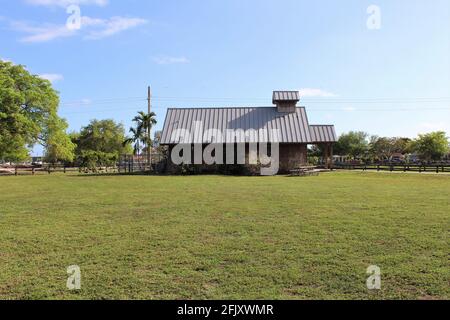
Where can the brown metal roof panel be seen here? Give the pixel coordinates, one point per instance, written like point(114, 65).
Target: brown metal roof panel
point(165, 129)
point(285, 96)
point(293, 128)
point(323, 134)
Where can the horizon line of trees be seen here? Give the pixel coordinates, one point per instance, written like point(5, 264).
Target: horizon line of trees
point(433, 146)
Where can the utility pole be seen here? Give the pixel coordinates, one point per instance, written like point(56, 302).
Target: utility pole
point(149, 132)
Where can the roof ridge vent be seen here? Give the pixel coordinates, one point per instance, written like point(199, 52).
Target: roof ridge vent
point(286, 101)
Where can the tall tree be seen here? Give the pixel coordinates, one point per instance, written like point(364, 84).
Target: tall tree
point(431, 146)
point(383, 148)
point(58, 144)
point(28, 115)
point(100, 143)
point(353, 144)
point(135, 139)
point(145, 122)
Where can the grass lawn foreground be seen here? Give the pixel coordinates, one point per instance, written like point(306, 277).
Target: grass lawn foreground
point(217, 237)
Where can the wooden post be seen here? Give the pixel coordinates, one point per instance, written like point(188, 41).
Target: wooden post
point(32, 171)
point(331, 157)
point(15, 171)
point(149, 145)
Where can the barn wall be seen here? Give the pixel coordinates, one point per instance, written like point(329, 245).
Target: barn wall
point(291, 156)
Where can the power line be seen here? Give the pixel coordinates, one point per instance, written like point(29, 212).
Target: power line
point(247, 100)
point(111, 104)
point(406, 109)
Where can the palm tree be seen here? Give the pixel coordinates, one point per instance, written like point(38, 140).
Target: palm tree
point(135, 139)
point(145, 122)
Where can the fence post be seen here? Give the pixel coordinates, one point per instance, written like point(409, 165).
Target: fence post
point(437, 169)
point(15, 171)
point(32, 171)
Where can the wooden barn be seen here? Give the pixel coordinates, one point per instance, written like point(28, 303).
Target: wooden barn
point(289, 120)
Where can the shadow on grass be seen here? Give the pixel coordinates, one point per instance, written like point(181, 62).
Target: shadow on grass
point(115, 174)
point(151, 174)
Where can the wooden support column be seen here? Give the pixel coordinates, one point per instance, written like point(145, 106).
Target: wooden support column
point(326, 156)
point(331, 157)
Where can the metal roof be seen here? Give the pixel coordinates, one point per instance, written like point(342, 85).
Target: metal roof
point(323, 133)
point(285, 96)
point(293, 127)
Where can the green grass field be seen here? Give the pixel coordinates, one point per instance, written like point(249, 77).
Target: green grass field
point(213, 237)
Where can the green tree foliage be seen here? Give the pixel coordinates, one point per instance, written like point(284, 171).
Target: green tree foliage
point(431, 146)
point(144, 123)
point(100, 143)
point(353, 144)
point(91, 160)
point(382, 148)
point(135, 139)
point(58, 144)
point(28, 115)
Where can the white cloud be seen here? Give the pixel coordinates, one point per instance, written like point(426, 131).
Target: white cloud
point(111, 26)
point(77, 103)
point(349, 109)
point(66, 3)
point(91, 28)
point(41, 33)
point(5, 60)
point(170, 60)
point(52, 77)
point(310, 92)
point(86, 102)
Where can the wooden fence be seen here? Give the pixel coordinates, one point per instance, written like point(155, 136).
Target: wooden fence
point(437, 168)
point(33, 170)
point(126, 165)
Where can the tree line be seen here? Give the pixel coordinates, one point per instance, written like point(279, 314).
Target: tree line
point(28, 116)
point(428, 147)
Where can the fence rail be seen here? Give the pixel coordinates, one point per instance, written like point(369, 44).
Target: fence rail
point(32, 170)
point(121, 167)
point(438, 168)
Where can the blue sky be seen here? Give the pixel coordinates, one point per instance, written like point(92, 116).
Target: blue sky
point(393, 81)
